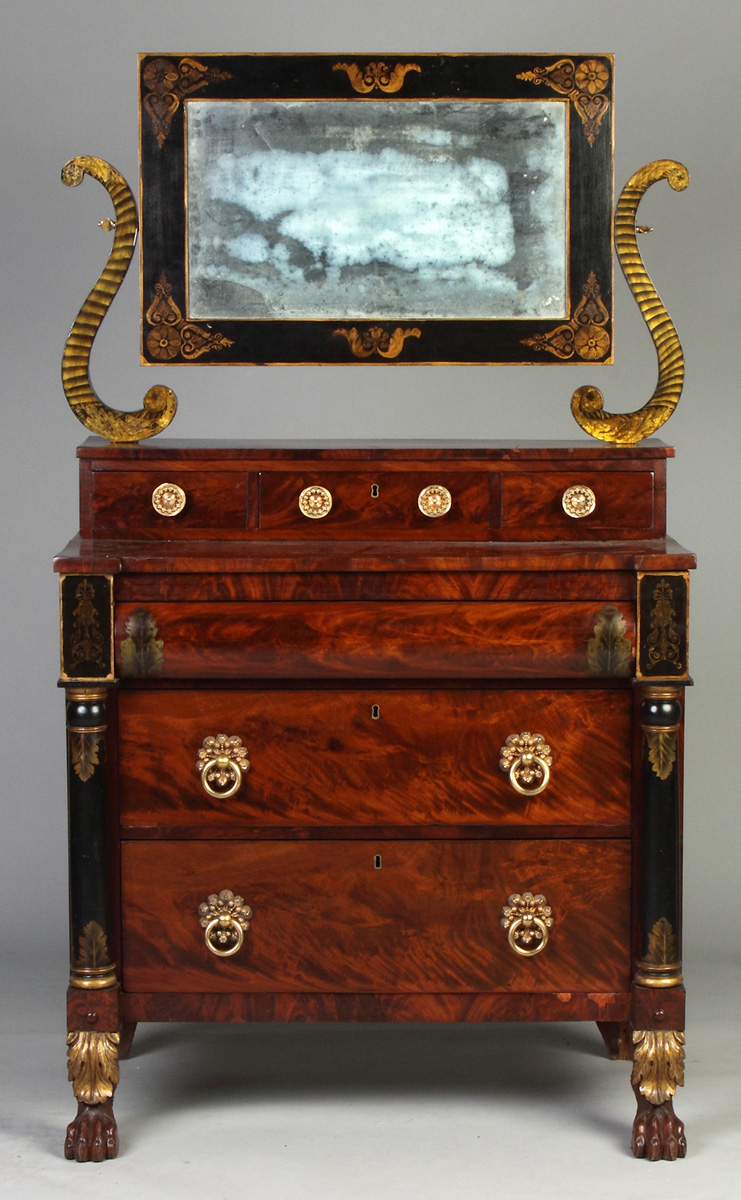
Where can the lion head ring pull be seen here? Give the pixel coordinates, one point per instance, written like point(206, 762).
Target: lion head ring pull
point(528, 761)
point(527, 920)
point(226, 919)
point(221, 762)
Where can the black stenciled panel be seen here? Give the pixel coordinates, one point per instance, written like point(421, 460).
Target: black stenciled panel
point(663, 610)
point(583, 335)
point(661, 845)
point(87, 780)
point(86, 621)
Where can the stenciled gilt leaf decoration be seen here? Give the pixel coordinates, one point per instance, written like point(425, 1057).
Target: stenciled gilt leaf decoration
point(662, 750)
point(167, 83)
point(609, 651)
point(658, 1063)
point(142, 652)
point(585, 86)
point(376, 75)
point(86, 643)
point(92, 947)
point(664, 640)
point(84, 753)
point(171, 335)
point(662, 945)
point(377, 340)
point(587, 403)
point(92, 1060)
point(160, 403)
point(586, 335)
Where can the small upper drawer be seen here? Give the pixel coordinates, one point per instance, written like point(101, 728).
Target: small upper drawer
point(451, 505)
point(168, 503)
point(583, 505)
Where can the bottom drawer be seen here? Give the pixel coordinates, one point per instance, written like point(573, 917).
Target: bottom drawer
point(377, 916)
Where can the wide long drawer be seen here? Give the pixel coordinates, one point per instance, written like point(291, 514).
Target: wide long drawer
point(405, 639)
point(374, 757)
point(394, 916)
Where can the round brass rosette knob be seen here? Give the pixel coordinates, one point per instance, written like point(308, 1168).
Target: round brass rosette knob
point(527, 919)
point(435, 500)
point(527, 759)
point(221, 763)
point(315, 502)
point(168, 499)
point(225, 918)
point(578, 500)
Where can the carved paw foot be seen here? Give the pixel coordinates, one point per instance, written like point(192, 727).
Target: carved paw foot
point(658, 1132)
point(92, 1136)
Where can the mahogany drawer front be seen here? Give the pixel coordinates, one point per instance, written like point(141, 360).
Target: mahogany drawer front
point(213, 503)
point(624, 506)
point(377, 504)
point(408, 639)
point(326, 917)
point(374, 757)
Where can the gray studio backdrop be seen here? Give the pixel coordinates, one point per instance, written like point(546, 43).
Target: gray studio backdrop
point(69, 87)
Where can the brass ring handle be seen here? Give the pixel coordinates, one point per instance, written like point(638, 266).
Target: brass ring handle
point(225, 919)
point(528, 760)
point(527, 919)
point(523, 926)
point(221, 762)
point(168, 499)
point(224, 924)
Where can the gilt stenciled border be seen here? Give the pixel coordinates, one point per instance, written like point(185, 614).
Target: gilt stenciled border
point(166, 92)
point(663, 625)
point(86, 628)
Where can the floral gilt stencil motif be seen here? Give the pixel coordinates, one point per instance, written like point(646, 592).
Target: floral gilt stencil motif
point(167, 83)
point(586, 334)
point(585, 85)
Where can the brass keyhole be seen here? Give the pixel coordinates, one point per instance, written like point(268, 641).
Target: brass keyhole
point(377, 862)
point(375, 711)
point(374, 491)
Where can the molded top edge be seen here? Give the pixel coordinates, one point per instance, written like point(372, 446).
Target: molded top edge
point(384, 448)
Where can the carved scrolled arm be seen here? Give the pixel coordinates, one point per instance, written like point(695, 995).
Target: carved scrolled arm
point(160, 402)
point(587, 403)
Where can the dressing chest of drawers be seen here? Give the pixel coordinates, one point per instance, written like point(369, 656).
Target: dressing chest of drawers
point(386, 733)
